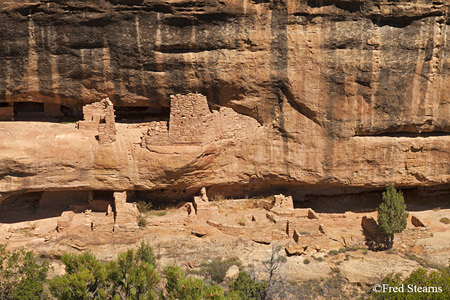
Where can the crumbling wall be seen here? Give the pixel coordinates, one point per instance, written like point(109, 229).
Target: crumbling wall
point(157, 134)
point(126, 213)
point(192, 122)
point(231, 124)
point(99, 116)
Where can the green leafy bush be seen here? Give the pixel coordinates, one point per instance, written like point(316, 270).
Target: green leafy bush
point(181, 287)
point(131, 277)
point(22, 275)
point(248, 288)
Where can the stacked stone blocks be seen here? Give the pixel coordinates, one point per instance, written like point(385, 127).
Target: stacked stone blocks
point(99, 116)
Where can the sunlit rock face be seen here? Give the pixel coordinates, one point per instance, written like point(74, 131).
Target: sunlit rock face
point(317, 96)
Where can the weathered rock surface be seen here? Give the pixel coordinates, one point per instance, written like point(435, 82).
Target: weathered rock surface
point(344, 93)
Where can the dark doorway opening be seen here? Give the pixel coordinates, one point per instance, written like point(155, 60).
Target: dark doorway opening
point(141, 114)
point(28, 111)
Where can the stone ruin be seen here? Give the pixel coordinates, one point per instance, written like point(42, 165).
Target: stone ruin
point(192, 122)
point(371, 229)
point(99, 116)
point(126, 213)
point(202, 207)
point(101, 215)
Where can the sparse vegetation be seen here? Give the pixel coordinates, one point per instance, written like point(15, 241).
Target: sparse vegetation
point(306, 261)
point(217, 198)
point(392, 214)
point(158, 213)
point(319, 259)
point(142, 221)
point(144, 206)
point(242, 222)
point(445, 220)
point(423, 262)
point(333, 252)
point(330, 288)
point(215, 270)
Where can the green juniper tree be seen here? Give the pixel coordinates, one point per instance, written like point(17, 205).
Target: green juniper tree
point(181, 287)
point(131, 277)
point(392, 214)
point(22, 275)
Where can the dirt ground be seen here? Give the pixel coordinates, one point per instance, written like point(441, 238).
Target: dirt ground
point(315, 245)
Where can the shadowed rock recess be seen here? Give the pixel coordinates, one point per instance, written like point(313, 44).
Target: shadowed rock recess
point(302, 97)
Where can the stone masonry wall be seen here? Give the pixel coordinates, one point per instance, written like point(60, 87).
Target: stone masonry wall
point(157, 134)
point(100, 116)
point(189, 114)
point(192, 122)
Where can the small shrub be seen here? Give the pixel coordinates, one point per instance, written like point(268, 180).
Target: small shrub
point(142, 221)
point(248, 288)
point(365, 252)
point(445, 220)
point(318, 258)
point(306, 261)
point(144, 206)
point(217, 198)
point(242, 222)
point(333, 252)
point(158, 213)
point(216, 270)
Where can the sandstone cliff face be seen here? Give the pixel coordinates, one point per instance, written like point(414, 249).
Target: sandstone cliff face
point(345, 93)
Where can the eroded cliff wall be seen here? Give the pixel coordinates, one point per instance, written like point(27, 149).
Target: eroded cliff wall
point(346, 93)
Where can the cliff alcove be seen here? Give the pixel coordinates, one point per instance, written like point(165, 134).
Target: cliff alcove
point(326, 102)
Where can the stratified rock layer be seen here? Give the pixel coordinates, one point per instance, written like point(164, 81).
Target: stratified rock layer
point(343, 93)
